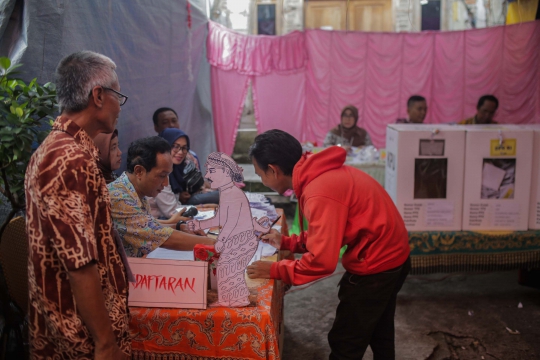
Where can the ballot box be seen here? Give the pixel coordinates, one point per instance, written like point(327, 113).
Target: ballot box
point(534, 200)
point(498, 169)
point(424, 174)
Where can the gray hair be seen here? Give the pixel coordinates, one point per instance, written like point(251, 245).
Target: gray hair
point(77, 74)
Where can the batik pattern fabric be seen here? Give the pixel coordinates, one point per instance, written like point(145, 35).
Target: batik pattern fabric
point(234, 258)
point(250, 332)
point(141, 233)
point(455, 251)
point(69, 226)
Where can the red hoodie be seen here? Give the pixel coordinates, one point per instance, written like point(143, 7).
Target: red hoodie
point(344, 206)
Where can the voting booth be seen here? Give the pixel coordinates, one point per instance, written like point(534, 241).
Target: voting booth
point(498, 170)
point(534, 202)
point(534, 206)
point(424, 174)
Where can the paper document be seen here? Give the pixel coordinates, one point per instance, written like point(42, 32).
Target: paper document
point(492, 176)
point(161, 253)
point(440, 213)
point(263, 250)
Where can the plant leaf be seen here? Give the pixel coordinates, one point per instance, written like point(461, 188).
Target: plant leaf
point(5, 63)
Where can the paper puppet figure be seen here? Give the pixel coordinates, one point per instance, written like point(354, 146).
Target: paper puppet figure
point(236, 241)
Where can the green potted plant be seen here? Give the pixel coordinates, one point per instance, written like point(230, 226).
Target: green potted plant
point(26, 115)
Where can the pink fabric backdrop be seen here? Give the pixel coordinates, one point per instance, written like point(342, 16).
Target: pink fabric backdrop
point(276, 67)
point(377, 72)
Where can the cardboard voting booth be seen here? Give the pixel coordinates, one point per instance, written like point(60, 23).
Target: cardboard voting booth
point(498, 171)
point(424, 174)
point(534, 203)
point(534, 206)
point(168, 283)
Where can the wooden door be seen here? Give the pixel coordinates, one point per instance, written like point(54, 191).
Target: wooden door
point(325, 13)
point(370, 15)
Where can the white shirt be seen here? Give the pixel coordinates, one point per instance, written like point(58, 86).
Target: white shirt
point(164, 203)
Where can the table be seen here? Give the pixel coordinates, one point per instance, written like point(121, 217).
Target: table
point(375, 170)
point(453, 251)
point(253, 332)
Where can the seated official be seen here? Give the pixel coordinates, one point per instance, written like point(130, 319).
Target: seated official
point(178, 190)
point(485, 111)
point(167, 118)
point(149, 164)
point(347, 134)
point(416, 110)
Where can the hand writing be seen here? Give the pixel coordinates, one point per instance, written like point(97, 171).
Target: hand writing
point(273, 238)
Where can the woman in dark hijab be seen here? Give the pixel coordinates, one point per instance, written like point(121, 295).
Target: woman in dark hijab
point(347, 133)
point(178, 194)
point(110, 156)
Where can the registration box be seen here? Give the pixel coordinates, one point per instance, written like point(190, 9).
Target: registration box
point(424, 174)
point(534, 202)
point(168, 283)
point(497, 177)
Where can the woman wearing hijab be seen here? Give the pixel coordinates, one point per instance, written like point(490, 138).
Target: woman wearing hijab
point(176, 193)
point(110, 156)
point(347, 134)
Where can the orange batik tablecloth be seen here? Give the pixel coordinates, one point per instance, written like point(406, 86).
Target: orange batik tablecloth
point(251, 332)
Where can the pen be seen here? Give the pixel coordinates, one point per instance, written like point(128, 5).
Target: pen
point(261, 248)
point(274, 223)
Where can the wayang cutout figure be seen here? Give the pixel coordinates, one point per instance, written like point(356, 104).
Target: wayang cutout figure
point(236, 241)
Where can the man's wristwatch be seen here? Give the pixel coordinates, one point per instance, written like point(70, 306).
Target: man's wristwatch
point(179, 223)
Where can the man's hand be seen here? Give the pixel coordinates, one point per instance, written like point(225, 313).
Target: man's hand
point(176, 217)
point(86, 288)
point(259, 270)
point(184, 197)
point(109, 353)
point(185, 228)
point(273, 238)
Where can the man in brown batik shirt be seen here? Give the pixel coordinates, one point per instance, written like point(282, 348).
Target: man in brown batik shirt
point(77, 279)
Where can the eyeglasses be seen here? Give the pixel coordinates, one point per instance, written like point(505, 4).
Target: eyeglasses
point(177, 148)
point(121, 97)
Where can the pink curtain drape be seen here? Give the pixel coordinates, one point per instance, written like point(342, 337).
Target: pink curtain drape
point(275, 65)
point(302, 81)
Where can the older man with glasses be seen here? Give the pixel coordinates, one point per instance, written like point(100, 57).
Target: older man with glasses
point(77, 277)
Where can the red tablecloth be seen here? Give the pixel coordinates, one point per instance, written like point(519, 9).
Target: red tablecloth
point(251, 332)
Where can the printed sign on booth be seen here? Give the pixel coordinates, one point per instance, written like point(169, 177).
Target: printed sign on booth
point(168, 283)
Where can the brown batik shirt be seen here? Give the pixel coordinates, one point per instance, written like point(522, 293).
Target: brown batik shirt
point(69, 226)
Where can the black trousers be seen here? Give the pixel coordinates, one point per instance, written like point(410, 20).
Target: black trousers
point(365, 314)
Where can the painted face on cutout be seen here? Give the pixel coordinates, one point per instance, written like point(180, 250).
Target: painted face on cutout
point(216, 176)
point(165, 120)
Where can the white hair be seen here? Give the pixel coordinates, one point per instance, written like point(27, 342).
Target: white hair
point(77, 74)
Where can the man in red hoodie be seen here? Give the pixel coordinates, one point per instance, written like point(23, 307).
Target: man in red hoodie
point(344, 206)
